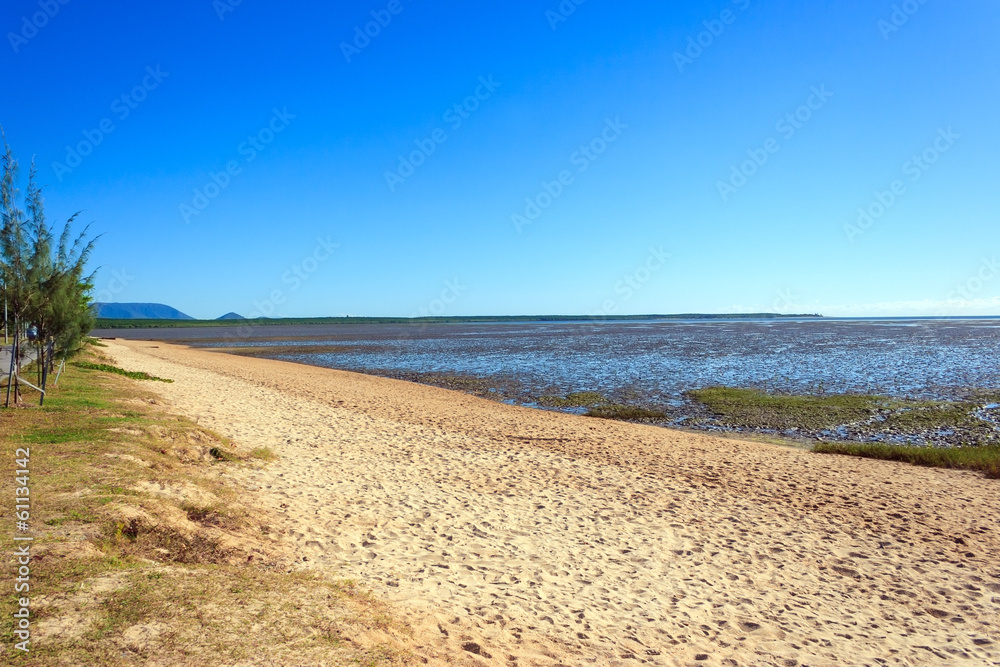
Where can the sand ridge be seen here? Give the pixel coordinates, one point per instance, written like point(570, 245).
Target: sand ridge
point(512, 536)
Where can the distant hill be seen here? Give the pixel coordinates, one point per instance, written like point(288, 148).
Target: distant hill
point(139, 311)
point(231, 316)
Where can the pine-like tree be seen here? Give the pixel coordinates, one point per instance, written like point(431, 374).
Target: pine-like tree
point(44, 287)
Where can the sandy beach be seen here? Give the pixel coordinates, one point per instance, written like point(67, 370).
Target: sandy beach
point(511, 536)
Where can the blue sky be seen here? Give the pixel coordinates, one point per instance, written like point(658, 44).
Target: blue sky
point(600, 160)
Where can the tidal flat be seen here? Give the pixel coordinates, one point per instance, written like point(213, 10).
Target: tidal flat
point(899, 382)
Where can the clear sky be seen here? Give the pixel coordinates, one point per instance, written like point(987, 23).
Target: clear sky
point(605, 157)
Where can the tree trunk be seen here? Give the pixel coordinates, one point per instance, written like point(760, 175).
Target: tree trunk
point(45, 373)
point(15, 365)
point(10, 377)
point(17, 372)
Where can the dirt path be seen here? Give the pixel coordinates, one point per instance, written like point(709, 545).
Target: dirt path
point(512, 536)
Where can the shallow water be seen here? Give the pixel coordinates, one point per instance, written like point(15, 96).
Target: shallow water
point(654, 362)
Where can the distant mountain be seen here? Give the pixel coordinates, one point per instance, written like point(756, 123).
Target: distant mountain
point(231, 316)
point(139, 311)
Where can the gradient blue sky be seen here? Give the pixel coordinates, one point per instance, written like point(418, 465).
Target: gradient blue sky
point(443, 241)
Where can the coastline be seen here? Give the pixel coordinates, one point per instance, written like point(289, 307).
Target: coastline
point(922, 384)
point(551, 537)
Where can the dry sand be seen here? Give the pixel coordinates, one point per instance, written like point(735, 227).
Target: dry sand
point(511, 536)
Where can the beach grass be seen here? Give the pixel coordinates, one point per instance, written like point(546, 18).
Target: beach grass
point(912, 422)
point(924, 415)
point(626, 413)
point(141, 553)
point(264, 454)
point(578, 399)
point(755, 409)
point(602, 407)
point(108, 368)
point(985, 459)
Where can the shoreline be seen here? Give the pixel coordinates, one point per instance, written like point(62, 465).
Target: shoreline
point(551, 538)
point(697, 416)
point(916, 385)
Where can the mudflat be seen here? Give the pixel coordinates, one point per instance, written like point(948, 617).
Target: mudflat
point(512, 536)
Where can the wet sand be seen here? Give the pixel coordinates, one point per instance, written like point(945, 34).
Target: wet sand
point(511, 536)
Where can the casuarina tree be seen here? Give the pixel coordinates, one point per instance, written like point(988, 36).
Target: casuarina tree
point(44, 283)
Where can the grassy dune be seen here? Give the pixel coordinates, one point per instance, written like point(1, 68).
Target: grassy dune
point(142, 552)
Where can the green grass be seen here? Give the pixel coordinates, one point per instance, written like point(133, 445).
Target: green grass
point(925, 415)
point(109, 554)
point(755, 409)
point(107, 368)
point(579, 399)
point(264, 454)
point(951, 422)
point(220, 454)
point(71, 516)
point(59, 435)
point(985, 459)
point(626, 413)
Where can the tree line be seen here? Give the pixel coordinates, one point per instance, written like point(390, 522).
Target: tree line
point(45, 289)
